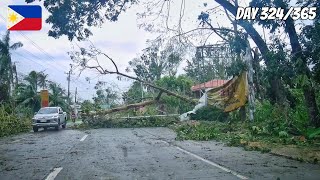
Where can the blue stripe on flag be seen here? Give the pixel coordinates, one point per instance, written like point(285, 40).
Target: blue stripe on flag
point(28, 11)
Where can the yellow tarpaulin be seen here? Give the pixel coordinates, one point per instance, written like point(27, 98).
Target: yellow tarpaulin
point(231, 95)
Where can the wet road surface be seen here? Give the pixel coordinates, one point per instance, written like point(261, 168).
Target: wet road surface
point(143, 153)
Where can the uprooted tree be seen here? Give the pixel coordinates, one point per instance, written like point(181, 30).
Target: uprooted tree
point(88, 59)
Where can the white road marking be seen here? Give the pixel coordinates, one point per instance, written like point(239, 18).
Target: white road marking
point(18, 140)
point(202, 159)
point(212, 163)
point(84, 137)
point(54, 173)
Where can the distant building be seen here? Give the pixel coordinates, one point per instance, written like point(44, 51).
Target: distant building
point(199, 89)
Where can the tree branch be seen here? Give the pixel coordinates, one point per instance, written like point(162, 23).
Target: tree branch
point(101, 70)
point(247, 26)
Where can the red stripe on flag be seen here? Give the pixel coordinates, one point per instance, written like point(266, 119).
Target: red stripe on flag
point(28, 24)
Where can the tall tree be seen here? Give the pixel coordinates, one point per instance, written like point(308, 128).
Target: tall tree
point(134, 94)
point(154, 63)
point(57, 96)
point(42, 80)
point(298, 58)
point(106, 96)
point(297, 55)
point(6, 66)
point(26, 96)
point(32, 79)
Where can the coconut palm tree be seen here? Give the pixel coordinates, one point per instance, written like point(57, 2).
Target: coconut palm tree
point(57, 96)
point(26, 93)
point(6, 67)
point(42, 80)
point(32, 80)
point(27, 96)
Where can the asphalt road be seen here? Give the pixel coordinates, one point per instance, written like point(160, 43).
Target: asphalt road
point(144, 153)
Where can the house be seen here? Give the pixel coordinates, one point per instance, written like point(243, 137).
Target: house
point(199, 89)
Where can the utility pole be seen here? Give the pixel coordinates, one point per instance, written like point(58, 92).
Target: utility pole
point(249, 59)
point(141, 92)
point(75, 96)
point(69, 78)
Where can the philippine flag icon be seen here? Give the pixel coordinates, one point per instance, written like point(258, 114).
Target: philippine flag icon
point(24, 18)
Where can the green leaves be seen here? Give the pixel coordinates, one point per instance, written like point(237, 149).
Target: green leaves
point(153, 64)
point(73, 18)
point(16, 45)
point(11, 124)
point(302, 81)
point(26, 93)
point(210, 113)
point(6, 66)
point(200, 132)
point(313, 133)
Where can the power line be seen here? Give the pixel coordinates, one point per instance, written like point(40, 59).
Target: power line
point(38, 47)
point(29, 59)
point(48, 66)
point(74, 79)
point(44, 52)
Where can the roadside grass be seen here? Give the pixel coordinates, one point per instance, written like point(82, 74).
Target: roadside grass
point(252, 138)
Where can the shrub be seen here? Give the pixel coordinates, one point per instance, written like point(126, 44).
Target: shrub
point(12, 124)
point(209, 113)
point(111, 122)
point(203, 131)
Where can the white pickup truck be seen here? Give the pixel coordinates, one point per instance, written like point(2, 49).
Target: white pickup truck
point(49, 117)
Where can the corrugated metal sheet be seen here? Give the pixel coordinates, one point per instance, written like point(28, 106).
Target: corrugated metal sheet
point(210, 84)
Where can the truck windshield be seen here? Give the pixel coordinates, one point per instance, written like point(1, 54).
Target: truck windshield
point(48, 111)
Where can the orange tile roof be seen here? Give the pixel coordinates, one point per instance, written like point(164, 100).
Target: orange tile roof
point(210, 84)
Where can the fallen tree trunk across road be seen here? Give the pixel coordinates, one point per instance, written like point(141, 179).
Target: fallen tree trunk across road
point(129, 106)
point(151, 116)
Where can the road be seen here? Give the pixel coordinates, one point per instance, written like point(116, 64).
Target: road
point(143, 153)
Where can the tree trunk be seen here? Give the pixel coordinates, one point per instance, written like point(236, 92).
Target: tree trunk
point(309, 92)
point(277, 94)
point(310, 99)
point(247, 26)
point(258, 40)
point(130, 106)
point(303, 69)
point(242, 113)
point(126, 107)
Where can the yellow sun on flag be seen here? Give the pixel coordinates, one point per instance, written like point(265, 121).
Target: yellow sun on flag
point(13, 17)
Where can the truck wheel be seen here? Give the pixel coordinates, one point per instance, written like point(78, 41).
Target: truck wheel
point(64, 125)
point(35, 129)
point(45, 128)
point(58, 127)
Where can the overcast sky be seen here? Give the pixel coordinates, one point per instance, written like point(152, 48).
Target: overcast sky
point(122, 40)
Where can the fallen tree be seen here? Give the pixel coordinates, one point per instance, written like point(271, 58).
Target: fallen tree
point(85, 56)
point(129, 106)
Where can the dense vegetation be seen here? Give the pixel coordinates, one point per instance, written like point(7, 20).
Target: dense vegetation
point(286, 66)
point(20, 95)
